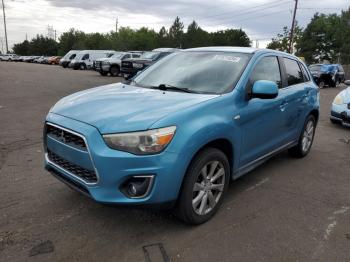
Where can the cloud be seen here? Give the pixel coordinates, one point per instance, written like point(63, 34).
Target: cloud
point(260, 19)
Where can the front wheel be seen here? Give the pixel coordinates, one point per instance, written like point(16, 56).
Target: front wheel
point(321, 84)
point(204, 186)
point(306, 138)
point(82, 66)
point(114, 71)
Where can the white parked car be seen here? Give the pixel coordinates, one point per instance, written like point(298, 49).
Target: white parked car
point(65, 61)
point(7, 57)
point(85, 58)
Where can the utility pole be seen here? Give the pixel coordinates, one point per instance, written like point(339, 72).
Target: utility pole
point(293, 27)
point(116, 25)
point(55, 35)
point(3, 11)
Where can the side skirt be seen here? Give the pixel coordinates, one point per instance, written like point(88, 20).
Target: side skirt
point(257, 162)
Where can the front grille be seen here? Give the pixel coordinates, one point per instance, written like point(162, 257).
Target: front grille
point(97, 65)
point(88, 176)
point(126, 64)
point(66, 137)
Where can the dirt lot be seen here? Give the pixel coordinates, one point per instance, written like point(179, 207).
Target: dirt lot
point(286, 210)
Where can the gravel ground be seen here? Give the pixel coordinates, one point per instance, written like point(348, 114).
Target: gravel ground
point(286, 210)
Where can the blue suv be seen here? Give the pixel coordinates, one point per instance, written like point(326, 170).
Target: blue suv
point(183, 129)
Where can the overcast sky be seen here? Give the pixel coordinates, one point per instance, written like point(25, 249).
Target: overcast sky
point(260, 19)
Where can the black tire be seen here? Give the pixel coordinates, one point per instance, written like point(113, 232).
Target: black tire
point(103, 73)
point(184, 207)
point(82, 66)
point(64, 65)
point(114, 70)
point(298, 151)
point(321, 84)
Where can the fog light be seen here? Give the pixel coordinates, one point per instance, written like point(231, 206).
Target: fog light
point(137, 186)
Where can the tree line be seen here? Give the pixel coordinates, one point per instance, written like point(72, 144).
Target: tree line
point(133, 39)
point(326, 37)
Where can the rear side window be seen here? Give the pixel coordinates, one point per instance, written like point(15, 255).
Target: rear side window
point(267, 69)
point(136, 55)
point(305, 74)
point(294, 74)
point(126, 56)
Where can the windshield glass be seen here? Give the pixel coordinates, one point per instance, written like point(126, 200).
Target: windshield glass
point(149, 55)
point(115, 55)
point(202, 72)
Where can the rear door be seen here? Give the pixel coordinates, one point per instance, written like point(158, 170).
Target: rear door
point(295, 92)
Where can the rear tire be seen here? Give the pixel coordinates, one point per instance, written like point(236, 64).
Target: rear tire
point(204, 187)
point(306, 138)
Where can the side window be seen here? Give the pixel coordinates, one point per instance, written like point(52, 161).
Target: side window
point(136, 55)
point(340, 68)
point(85, 57)
point(305, 74)
point(294, 74)
point(266, 69)
point(126, 56)
point(72, 56)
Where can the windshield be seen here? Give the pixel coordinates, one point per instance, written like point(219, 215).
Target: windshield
point(202, 72)
point(149, 55)
point(116, 55)
point(315, 67)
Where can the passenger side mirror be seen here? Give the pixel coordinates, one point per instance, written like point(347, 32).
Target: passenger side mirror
point(347, 82)
point(264, 89)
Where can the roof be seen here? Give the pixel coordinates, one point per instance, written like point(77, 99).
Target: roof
point(248, 50)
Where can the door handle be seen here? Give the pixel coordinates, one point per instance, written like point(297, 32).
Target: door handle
point(283, 105)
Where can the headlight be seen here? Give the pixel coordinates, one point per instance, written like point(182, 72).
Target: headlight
point(338, 100)
point(141, 143)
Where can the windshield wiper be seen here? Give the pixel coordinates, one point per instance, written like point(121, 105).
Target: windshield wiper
point(166, 87)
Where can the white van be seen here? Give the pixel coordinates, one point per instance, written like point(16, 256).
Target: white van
point(64, 62)
point(85, 58)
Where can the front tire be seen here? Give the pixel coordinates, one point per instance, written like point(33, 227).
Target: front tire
point(306, 138)
point(82, 66)
point(204, 187)
point(321, 84)
point(114, 70)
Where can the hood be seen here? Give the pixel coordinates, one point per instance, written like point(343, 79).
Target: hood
point(140, 60)
point(123, 108)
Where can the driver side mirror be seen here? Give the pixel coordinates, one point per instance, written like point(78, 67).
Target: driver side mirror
point(347, 82)
point(264, 89)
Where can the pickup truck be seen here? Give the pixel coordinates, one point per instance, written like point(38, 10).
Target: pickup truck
point(130, 67)
point(112, 64)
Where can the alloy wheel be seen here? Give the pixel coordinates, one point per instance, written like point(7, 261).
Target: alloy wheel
point(208, 187)
point(308, 136)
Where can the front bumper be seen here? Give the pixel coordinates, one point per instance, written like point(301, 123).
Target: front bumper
point(114, 167)
point(341, 113)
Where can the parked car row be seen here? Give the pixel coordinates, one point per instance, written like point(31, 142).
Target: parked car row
point(51, 60)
